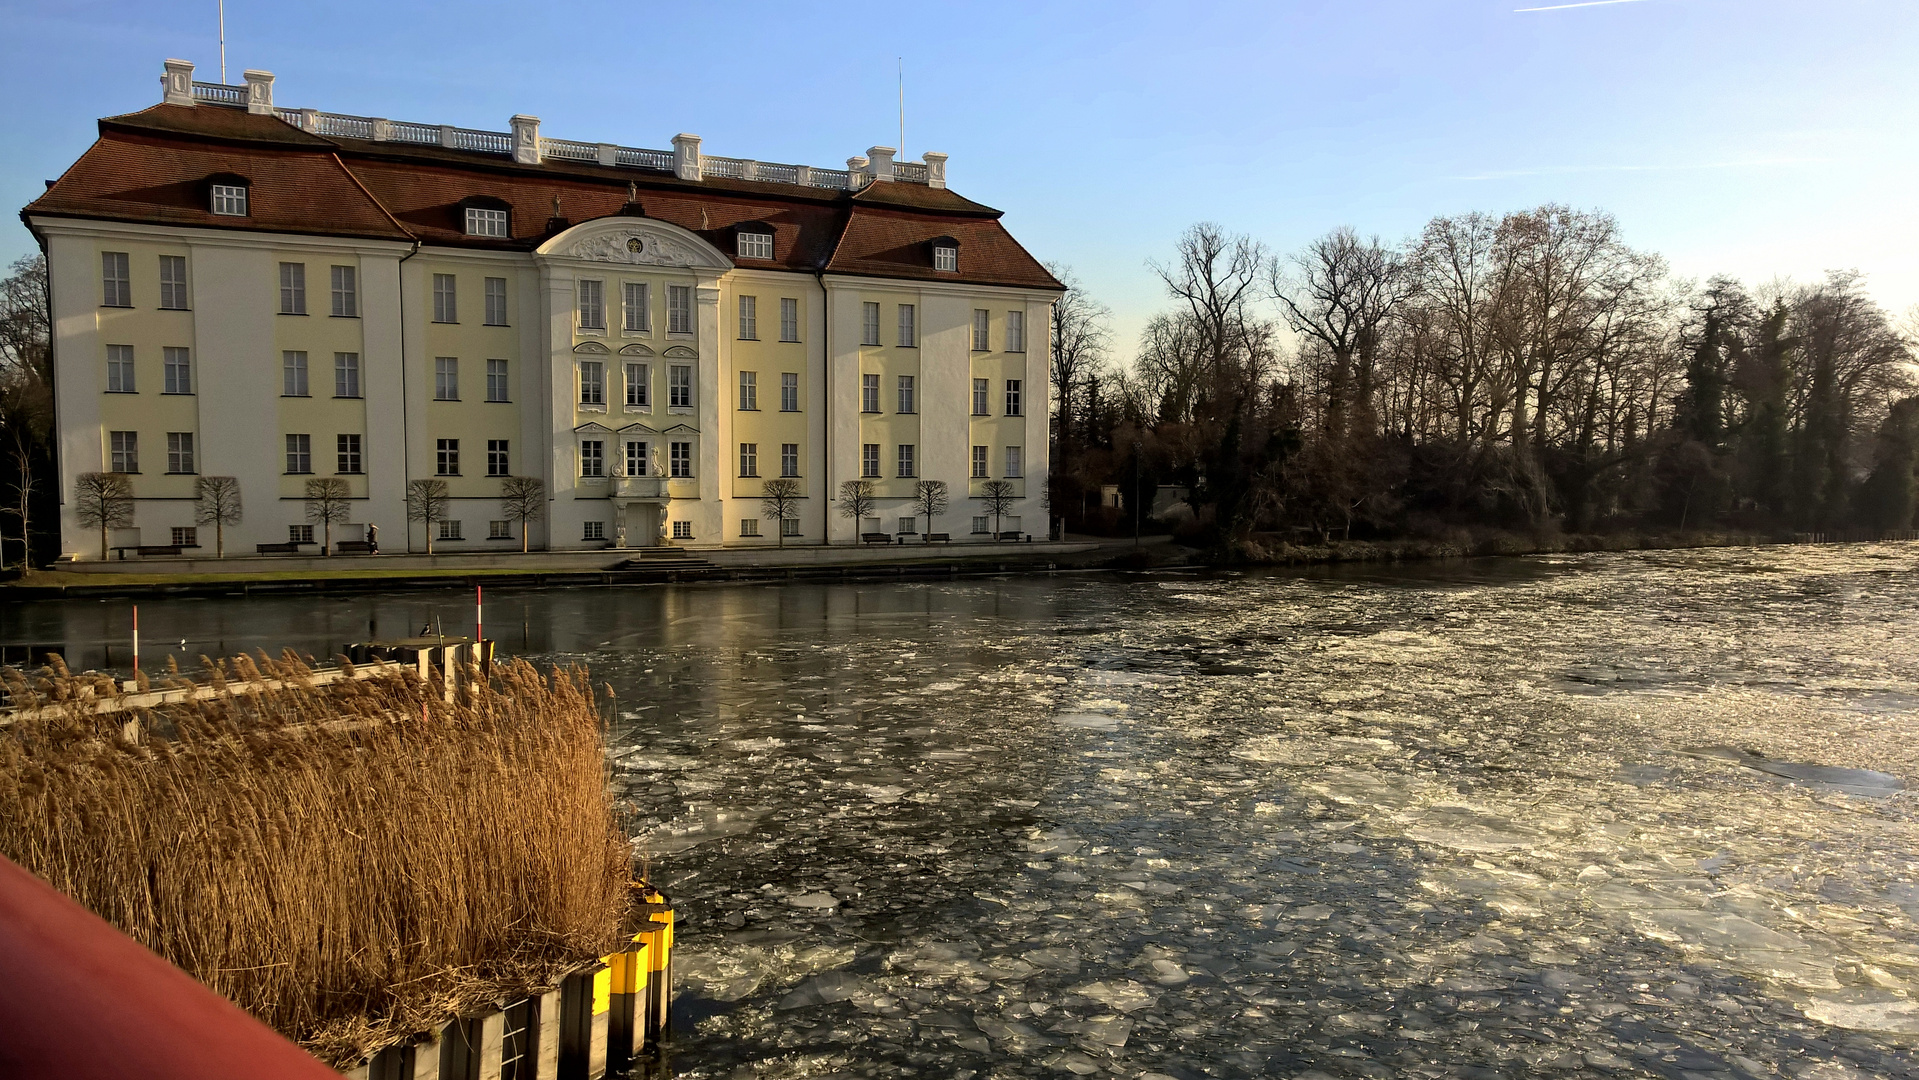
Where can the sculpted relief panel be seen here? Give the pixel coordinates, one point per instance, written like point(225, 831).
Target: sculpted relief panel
point(636, 248)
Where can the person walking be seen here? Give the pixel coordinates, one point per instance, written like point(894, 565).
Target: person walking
point(372, 539)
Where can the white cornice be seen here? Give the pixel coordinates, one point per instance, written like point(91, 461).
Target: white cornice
point(645, 243)
point(942, 288)
point(94, 228)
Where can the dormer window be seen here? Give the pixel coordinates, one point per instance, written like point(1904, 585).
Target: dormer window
point(485, 221)
point(230, 200)
point(754, 242)
point(946, 255)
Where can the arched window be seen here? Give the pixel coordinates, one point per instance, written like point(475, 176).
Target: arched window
point(227, 195)
point(753, 240)
point(483, 215)
point(946, 254)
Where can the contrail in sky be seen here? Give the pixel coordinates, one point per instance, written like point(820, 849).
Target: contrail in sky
point(1582, 3)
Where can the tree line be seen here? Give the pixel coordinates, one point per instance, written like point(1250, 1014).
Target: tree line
point(1528, 372)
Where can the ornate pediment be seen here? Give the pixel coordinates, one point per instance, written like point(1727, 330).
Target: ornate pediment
point(681, 352)
point(636, 242)
point(636, 349)
point(590, 347)
point(591, 428)
point(682, 429)
point(638, 429)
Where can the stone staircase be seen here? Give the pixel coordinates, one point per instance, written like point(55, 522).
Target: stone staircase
point(660, 564)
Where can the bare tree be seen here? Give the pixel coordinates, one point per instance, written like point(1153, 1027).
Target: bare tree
point(327, 503)
point(780, 503)
point(26, 390)
point(929, 501)
point(1339, 292)
point(998, 497)
point(216, 502)
point(1080, 339)
point(427, 502)
point(523, 499)
point(103, 500)
point(857, 501)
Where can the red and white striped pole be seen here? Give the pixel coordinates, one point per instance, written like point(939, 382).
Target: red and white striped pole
point(136, 642)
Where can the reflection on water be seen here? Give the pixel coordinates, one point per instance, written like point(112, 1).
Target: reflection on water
point(1631, 814)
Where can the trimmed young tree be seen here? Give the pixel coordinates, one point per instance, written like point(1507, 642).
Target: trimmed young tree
point(780, 503)
point(858, 502)
point(326, 504)
point(105, 501)
point(929, 501)
point(427, 502)
point(216, 502)
point(998, 497)
point(523, 499)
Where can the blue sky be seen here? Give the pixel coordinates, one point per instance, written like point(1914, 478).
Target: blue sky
point(1753, 137)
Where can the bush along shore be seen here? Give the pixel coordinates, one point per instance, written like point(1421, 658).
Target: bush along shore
point(352, 863)
point(1270, 549)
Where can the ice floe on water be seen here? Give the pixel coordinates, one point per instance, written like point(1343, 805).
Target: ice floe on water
point(1621, 815)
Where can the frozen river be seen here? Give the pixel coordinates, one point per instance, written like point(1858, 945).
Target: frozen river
point(1624, 815)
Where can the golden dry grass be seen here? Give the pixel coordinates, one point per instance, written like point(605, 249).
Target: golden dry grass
point(350, 862)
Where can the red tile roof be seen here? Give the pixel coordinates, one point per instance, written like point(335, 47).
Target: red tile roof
point(153, 166)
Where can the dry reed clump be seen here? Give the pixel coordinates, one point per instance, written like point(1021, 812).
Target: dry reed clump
point(350, 862)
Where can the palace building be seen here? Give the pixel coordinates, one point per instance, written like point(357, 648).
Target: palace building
point(278, 295)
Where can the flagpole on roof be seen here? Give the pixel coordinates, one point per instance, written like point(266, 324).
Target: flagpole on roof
point(223, 42)
point(902, 74)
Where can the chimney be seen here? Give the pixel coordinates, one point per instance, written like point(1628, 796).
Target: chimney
point(177, 83)
point(526, 139)
point(935, 168)
point(686, 156)
point(882, 162)
point(260, 93)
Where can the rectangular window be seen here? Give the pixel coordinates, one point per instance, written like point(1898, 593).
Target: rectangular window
point(979, 463)
point(790, 527)
point(680, 459)
point(346, 292)
point(982, 395)
point(789, 391)
point(300, 534)
point(592, 306)
point(749, 459)
point(450, 530)
point(749, 391)
point(186, 537)
point(870, 459)
point(595, 530)
point(1016, 331)
point(679, 386)
point(982, 330)
point(906, 460)
point(293, 374)
point(869, 393)
point(909, 329)
point(634, 315)
point(482, 222)
point(1014, 463)
point(447, 457)
point(346, 452)
point(636, 463)
point(946, 258)
point(346, 374)
point(293, 288)
point(679, 309)
point(906, 394)
point(497, 463)
point(499, 529)
point(789, 319)
point(180, 452)
point(446, 378)
point(636, 386)
point(124, 451)
point(789, 459)
point(749, 526)
point(909, 526)
point(496, 384)
point(592, 457)
point(981, 524)
point(173, 282)
point(869, 324)
point(749, 318)
point(178, 371)
point(445, 299)
point(682, 530)
point(496, 301)
point(230, 200)
point(1012, 397)
point(299, 454)
point(116, 284)
point(120, 369)
point(755, 245)
point(592, 382)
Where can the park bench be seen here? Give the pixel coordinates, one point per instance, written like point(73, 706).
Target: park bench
point(1008, 536)
point(288, 548)
point(876, 538)
point(939, 538)
point(353, 547)
point(143, 550)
